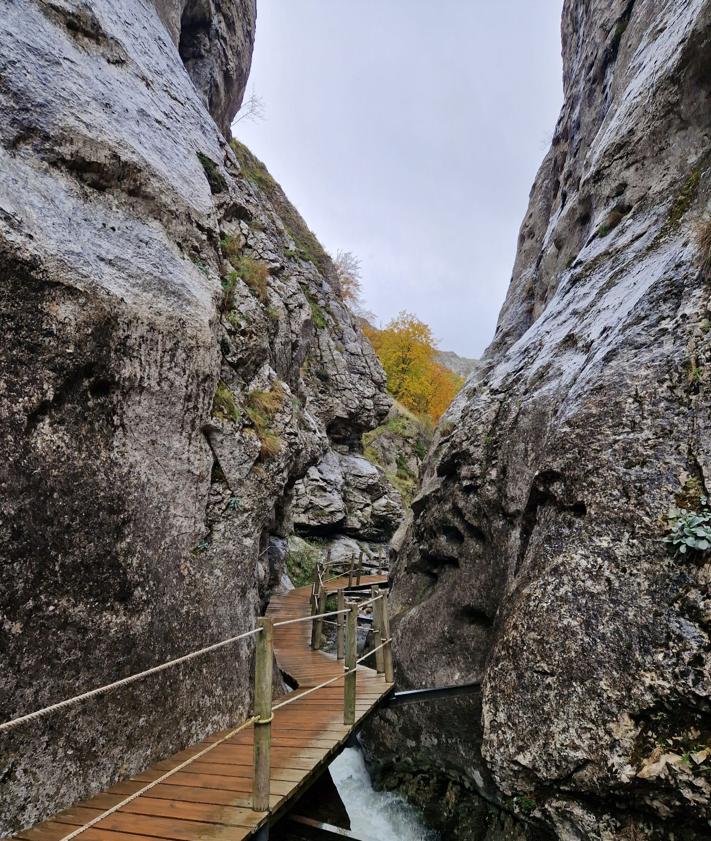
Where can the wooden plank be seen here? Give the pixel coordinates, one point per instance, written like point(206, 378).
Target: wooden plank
point(192, 794)
point(170, 828)
point(157, 807)
point(54, 830)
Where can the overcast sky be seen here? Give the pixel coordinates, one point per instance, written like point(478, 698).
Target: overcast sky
point(409, 132)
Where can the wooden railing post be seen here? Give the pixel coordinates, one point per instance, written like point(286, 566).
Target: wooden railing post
point(263, 709)
point(340, 625)
point(350, 571)
point(349, 683)
point(377, 632)
point(385, 633)
point(314, 610)
point(360, 568)
point(318, 623)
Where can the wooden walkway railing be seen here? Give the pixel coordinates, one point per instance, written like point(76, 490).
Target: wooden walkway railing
point(234, 783)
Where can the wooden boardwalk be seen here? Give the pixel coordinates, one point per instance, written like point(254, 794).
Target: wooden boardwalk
point(211, 799)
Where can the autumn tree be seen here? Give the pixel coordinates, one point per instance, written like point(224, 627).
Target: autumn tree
point(407, 351)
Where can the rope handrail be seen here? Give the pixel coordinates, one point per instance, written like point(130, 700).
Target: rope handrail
point(301, 695)
point(92, 693)
point(371, 601)
point(308, 618)
point(346, 671)
point(373, 650)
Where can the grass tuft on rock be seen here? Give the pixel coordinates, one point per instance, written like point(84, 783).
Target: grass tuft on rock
point(224, 404)
point(684, 199)
point(254, 273)
point(308, 248)
point(612, 220)
point(703, 241)
point(262, 407)
point(318, 316)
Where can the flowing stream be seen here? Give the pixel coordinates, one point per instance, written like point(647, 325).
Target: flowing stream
point(376, 815)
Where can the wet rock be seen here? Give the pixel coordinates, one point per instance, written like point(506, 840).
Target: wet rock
point(346, 493)
point(175, 362)
point(535, 560)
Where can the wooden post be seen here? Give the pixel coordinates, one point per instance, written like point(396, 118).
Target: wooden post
point(349, 683)
point(350, 572)
point(318, 623)
point(340, 625)
point(360, 568)
point(262, 708)
point(377, 632)
point(388, 648)
point(314, 610)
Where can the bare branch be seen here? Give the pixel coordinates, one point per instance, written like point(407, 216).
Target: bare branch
point(253, 109)
point(349, 277)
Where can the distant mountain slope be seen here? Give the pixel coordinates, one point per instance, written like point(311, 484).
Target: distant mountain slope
point(461, 365)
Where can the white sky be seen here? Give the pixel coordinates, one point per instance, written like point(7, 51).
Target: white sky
point(409, 132)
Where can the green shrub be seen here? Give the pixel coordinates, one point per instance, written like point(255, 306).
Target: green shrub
point(689, 530)
point(228, 289)
point(224, 404)
point(301, 560)
point(526, 804)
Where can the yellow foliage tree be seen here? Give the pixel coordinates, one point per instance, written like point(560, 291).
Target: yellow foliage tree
point(407, 349)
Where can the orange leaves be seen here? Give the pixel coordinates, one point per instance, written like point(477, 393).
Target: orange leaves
point(407, 349)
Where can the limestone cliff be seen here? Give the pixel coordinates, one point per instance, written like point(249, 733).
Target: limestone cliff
point(536, 561)
point(176, 356)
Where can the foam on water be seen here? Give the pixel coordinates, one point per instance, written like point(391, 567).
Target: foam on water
point(374, 814)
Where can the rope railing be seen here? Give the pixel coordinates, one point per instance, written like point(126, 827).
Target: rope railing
point(93, 693)
point(308, 618)
point(346, 615)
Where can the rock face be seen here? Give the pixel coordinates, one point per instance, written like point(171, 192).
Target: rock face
point(176, 357)
point(346, 493)
point(535, 562)
point(215, 40)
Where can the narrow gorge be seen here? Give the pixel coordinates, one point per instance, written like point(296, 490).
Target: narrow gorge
point(192, 417)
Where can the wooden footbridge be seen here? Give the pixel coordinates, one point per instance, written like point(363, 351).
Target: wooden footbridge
point(234, 784)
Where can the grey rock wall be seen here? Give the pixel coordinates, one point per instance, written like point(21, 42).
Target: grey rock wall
point(175, 357)
point(535, 561)
point(215, 39)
